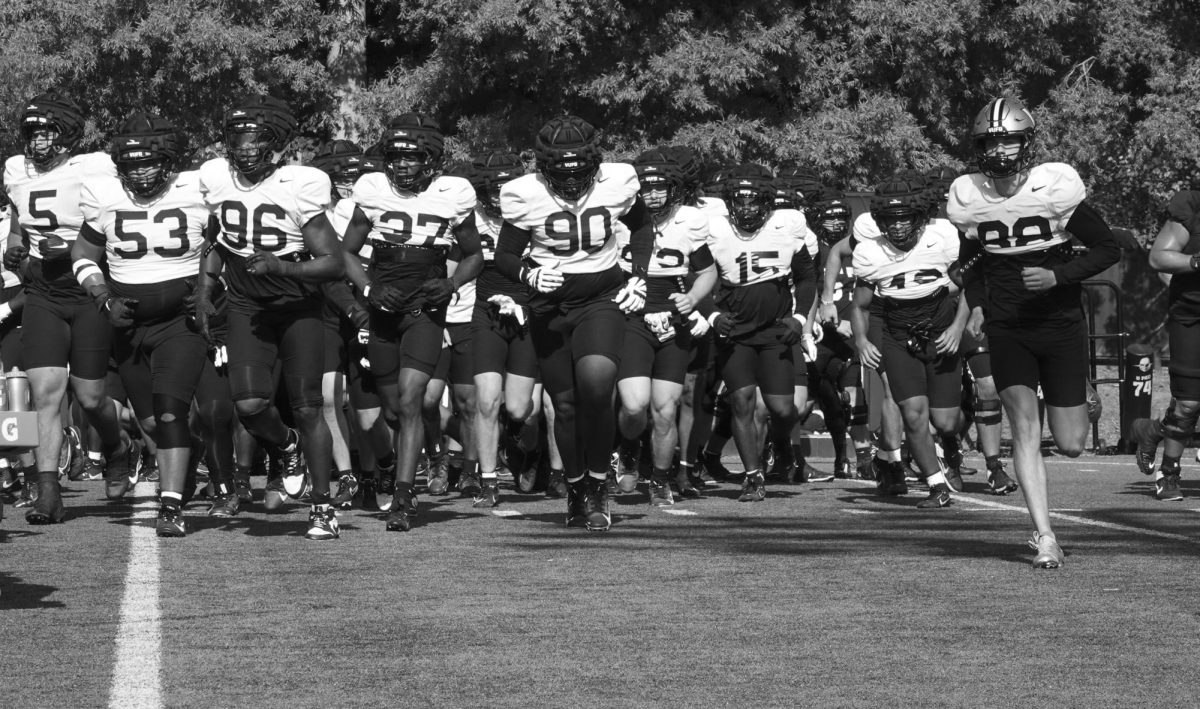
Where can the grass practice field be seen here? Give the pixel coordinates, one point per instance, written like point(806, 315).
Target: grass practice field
point(823, 595)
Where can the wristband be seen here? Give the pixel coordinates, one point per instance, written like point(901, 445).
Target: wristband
point(367, 291)
point(85, 268)
point(801, 318)
point(712, 319)
point(826, 302)
point(5, 311)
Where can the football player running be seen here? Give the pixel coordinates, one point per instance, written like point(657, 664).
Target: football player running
point(1022, 216)
point(569, 215)
point(1175, 252)
point(147, 224)
point(759, 252)
point(412, 216)
point(503, 360)
point(63, 330)
point(907, 266)
point(275, 246)
point(658, 340)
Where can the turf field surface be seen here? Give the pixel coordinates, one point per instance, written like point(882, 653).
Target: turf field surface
point(823, 595)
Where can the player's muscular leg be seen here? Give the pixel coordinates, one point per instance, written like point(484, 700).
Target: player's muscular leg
point(561, 414)
point(595, 377)
point(404, 398)
point(98, 407)
point(261, 420)
point(1021, 405)
point(488, 386)
point(743, 403)
point(915, 413)
point(635, 400)
point(47, 387)
point(664, 434)
point(316, 442)
point(1069, 426)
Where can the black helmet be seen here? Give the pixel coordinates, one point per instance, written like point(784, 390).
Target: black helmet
point(147, 150)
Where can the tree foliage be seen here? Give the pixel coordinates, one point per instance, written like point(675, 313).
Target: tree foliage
point(852, 88)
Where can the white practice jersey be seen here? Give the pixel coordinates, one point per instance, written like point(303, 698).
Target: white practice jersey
point(47, 203)
point(583, 236)
point(1034, 219)
point(744, 259)
point(340, 215)
point(150, 242)
point(403, 218)
point(267, 216)
point(676, 238)
point(909, 275)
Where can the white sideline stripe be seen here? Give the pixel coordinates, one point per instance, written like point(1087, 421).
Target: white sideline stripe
point(1069, 518)
point(506, 513)
point(137, 674)
point(681, 513)
point(860, 512)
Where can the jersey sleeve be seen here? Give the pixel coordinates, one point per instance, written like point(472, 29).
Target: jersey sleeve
point(623, 182)
point(1065, 192)
point(462, 196)
point(516, 204)
point(90, 206)
point(956, 206)
point(1183, 207)
point(864, 269)
point(313, 194)
point(207, 173)
point(864, 229)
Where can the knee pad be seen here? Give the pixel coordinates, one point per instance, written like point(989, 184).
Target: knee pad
point(987, 411)
point(859, 414)
point(1180, 421)
point(171, 414)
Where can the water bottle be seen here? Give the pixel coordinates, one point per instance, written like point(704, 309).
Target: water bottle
point(16, 385)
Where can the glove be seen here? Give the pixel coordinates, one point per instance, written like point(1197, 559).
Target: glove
point(721, 323)
point(660, 324)
point(818, 333)
point(810, 348)
point(262, 263)
point(220, 356)
point(119, 311)
point(506, 306)
point(793, 330)
point(359, 317)
point(632, 296)
point(364, 336)
point(13, 258)
point(436, 293)
point(202, 311)
point(700, 326)
point(388, 298)
point(544, 279)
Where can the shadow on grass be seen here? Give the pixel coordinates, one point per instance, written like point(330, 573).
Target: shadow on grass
point(15, 594)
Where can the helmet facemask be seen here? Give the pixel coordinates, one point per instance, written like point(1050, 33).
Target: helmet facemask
point(750, 208)
point(407, 166)
point(143, 173)
point(1004, 155)
point(832, 225)
point(658, 194)
point(570, 176)
point(252, 150)
point(901, 225)
point(41, 142)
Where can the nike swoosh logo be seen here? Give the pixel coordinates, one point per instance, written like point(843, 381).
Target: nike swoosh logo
point(601, 178)
point(1035, 189)
point(443, 188)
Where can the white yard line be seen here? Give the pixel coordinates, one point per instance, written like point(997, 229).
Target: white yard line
point(137, 675)
point(680, 513)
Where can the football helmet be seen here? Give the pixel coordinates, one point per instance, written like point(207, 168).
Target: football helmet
point(797, 186)
point(568, 156)
point(660, 179)
point(900, 209)
point(690, 171)
point(373, 158)
point(489, 173)
point(1003, 118)
point(51, 125)
point(413, 146)
point(257, 131)
point(749, 194)
point(829, 215)
point(342, 160)
point(939, 180)
point(147, 150)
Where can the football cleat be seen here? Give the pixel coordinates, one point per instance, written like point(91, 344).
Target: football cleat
point(684, 485)
point(1167, 488)
point(627, 473)
point(954, 479)
point(347, 489)
point(1147, 434)
point(596, 503)
point(712, 470)
point(488, 495)
point(897, 484)
point(841, 470)
point(170, 522)
point(27, 497)
point(118, 469)
point(577, 509)
point(10, 486)
point(660, 494)
point(93, 469)
point(939, 496)
point(471, 483)
point(47, 507)
point(241, 484)
point(1049, 553)
point(322, 524)
point(611, 481)
point(556, 485)
point(385, 489)
point(998, 481)
point(274, 495)
point(367, 499)
point(78, 456)
point(401, 518)
point(754, 488)
point(226, 505)
point(439, 474)
point(291, 462)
